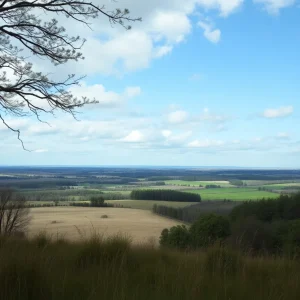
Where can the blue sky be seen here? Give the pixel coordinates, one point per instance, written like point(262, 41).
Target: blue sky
point(197, 83)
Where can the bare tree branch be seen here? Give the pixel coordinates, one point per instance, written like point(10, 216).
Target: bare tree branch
point(24, 91)
point(14, 214)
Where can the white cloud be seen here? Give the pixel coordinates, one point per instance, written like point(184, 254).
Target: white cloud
point(283, 135)
point(40, 150)
point(14, 123)
point(213, 35)
point(166, 133)
point(280, 112)
point(274, 6)
point(116, 51)
point(205, 143)
point(162, 51)
point(212, 117)
point(133, 91)
point(134, 136)
point(177, 117)
point(226, 7)
point(171, 25)
point(105, 98)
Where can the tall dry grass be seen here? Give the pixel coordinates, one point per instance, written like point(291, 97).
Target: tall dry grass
point(45, 268)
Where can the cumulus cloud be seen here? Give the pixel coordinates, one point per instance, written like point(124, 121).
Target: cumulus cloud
point(177, 117)
point(102, 96)
point(213, 35)
point(166, 133)
point(274, 6)
point(280, 112)
point(115, 51)
point(134, 136)
point(226, 7)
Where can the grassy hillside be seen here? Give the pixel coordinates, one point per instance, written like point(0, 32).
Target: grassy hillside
point(115, 270)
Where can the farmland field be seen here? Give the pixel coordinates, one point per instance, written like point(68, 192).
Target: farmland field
point(283, 185)
point(197, 183)
point(141, 225)
point(148, 204)
point(233, 194)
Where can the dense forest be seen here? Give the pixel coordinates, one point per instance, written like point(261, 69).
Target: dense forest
point(164, 195)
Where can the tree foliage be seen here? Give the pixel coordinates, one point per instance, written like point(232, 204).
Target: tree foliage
point(286, 207)
point(164, 195)
point(24, 91)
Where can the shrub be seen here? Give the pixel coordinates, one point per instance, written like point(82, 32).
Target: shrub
point(208, 229)
point(176, 237)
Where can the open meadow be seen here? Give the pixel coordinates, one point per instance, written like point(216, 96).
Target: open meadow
point(235, 194)
point(76, 222)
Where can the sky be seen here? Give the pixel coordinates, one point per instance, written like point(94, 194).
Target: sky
point(196, 83)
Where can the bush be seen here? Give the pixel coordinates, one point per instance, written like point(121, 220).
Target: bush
point(176, 237)
point(208, 229)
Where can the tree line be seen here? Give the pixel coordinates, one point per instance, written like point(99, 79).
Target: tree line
point(94, 202)
point(164, 195)
point(260, 227)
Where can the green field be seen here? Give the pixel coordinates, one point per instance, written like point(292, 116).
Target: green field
point(295, 185)
point(197, 183)
point(233, 194)
point(148, 204)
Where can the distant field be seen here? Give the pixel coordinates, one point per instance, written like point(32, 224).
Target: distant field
point(141, 225)
point(198, 183)
point(148, 204)
point(269, 182)
point(282, 185)
point(233, 194)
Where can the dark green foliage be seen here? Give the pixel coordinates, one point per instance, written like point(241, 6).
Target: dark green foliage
point(212, 186)
point(209, 229)
point(191, 213)
point(253, 236)
point(164, 195)
point(236, 182)
point(176, 237)
point(267, 210)
point(97, 201)
point(168, 211)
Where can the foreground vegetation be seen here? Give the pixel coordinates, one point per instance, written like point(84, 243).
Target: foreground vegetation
point(112, 269)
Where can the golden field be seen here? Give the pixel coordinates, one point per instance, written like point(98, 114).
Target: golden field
point(76, 222)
